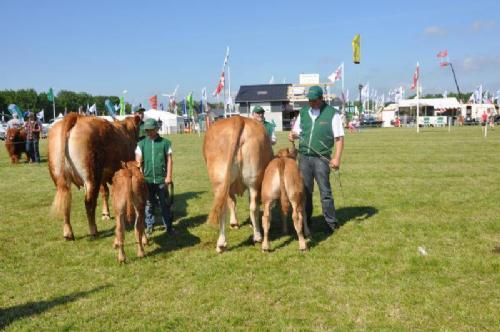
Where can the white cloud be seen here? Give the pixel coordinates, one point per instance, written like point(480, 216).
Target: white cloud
point(479, 25)
point(435, 31)
point(480, 63)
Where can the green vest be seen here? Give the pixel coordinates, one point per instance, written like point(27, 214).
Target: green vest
point(269, 128)
point(141, 132)
point(316, 137)
point(154, 160)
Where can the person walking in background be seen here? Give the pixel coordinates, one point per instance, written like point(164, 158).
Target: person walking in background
point(318, 127)
point(141, 134)
point(154, 154)
point(32, 127)
point(258, 114)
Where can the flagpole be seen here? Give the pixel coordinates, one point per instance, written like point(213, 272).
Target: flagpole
point(229, 85)
point(54, 106)
point(418, 97)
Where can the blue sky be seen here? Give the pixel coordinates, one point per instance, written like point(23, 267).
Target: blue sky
point(148, 47)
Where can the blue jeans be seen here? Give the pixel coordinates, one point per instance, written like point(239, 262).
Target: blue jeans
point(33, 150)
point(314, 168)
point(157, 192)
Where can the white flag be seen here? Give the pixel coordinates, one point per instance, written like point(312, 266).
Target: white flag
point(226, 58)
point(204, 93)
point(338, 74)
point(271, 81)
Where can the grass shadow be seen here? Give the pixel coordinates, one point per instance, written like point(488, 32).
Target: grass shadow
point(10, 315)
point(181, 202)
point(320, 230)
point(182, 239)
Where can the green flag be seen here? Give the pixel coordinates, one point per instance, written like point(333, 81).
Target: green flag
point(122, 105)
point(50, 95)
point(190, 103)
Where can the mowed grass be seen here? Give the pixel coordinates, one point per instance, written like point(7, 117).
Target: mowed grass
point(401, 190)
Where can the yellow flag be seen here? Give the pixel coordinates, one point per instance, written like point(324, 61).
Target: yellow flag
point(356, 49)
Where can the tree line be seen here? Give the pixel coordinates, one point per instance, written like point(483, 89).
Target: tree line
point(65, 101)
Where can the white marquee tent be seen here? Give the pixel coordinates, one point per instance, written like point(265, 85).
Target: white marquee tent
point(170, 123)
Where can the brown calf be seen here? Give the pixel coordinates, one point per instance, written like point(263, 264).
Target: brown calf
point(282, 180)
point(129, 192)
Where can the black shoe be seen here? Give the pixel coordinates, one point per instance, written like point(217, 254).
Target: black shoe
point(171, 231)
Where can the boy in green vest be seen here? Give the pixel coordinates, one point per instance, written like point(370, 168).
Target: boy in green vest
point(154, 153)
point(258, 114)
point(318, 127)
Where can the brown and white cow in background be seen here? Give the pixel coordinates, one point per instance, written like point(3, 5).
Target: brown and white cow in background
point(15, 143)
point(129, 193)
point(86, 151)
point(283, 181)
point(236, 151)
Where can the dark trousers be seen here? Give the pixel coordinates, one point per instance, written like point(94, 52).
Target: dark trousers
point(33, 151)
point(315, 168)
point(158, 193)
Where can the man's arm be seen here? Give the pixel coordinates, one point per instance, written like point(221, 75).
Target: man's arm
point(339, 147)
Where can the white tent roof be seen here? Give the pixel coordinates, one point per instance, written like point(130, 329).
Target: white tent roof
point(437, 103)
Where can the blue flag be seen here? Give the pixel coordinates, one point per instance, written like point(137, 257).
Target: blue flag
point(110, 108)
point(13, 108)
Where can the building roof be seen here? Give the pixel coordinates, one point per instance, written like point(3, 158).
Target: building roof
point(262, 93)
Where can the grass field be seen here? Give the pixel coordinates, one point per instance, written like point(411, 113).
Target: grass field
point(437, 190)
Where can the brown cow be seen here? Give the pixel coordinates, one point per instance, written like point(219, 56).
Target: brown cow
point(282, 179)
point(87, 151)
point(236, 151)
point(129, 192)
point(15, 143)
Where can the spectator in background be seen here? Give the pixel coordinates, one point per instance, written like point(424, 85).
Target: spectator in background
point(258, 114)
point(33, 128)
point(141, 134)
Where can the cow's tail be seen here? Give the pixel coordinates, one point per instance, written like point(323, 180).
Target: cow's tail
point(285, 205)
point(62, 199)
point(222, 193)
point(130, 198)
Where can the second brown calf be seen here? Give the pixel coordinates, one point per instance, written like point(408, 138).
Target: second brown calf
point(282, 180)
point(129, 192)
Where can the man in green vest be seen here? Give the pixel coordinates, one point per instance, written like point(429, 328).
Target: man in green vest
point(318, 127)
point(258, 114)
point(141, 134)
point(154, 153)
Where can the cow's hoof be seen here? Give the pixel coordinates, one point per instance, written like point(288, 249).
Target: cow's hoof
point(220, 249)
point(234, 226)
point(69, 237)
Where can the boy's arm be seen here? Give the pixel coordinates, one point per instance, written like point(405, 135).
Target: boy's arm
point(170, 164)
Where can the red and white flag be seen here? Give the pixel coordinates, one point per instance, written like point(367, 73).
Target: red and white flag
point(220, 86)
point(442, 54)
point(338, 74)
point(153, 101)
point(416, 75)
